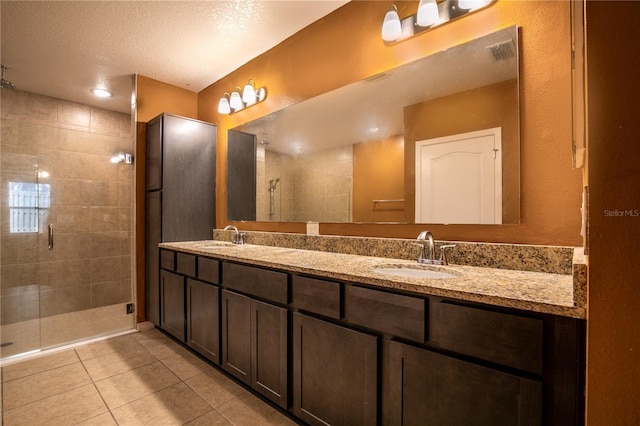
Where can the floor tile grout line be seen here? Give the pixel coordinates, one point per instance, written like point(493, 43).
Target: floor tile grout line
point(202, 396)
point(46, 397)
point(4, 410)
point(94, 382)
point(38, 372)
point(180, 380)
point(212, 409)
point(100, 393)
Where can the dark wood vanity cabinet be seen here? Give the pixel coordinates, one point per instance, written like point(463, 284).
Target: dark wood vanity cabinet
point(425, 387)
point(335, 373)
point(190, 302)
point(172, 308)
point(255, 332)
point(340, 353)
point(203, 319)
point(236, 335)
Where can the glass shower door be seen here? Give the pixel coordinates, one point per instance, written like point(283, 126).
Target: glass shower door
point(23, 197)
point(67, 223)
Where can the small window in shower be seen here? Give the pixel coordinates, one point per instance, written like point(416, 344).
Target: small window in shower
point(26, 202)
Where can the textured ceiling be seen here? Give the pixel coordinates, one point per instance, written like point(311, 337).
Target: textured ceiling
point(65, 48)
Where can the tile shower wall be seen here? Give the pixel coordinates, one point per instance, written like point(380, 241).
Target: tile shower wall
point(90, 207)
point(316, 187)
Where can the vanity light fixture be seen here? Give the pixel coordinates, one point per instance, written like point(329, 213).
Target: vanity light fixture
point(430, 14)
point(241, 99)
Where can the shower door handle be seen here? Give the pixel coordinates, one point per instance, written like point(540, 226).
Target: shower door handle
point(50, 236)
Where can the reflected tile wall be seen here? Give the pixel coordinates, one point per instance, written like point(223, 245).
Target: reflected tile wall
point(91, 207)
point(316, 187)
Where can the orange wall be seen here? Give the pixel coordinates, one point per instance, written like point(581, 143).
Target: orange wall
point(378, 174)
point(155, 97)
point(310, 63)
point(482, 108)
point(613, 327)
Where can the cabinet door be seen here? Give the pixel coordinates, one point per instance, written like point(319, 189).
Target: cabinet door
point(154, 201)
point(236, 335)
point(269, 351)
point(154, 154)
point(172, 304)
point(334, 373)
point(241, 176)
point(425, 388)
point(203, 319)
point(188, 179)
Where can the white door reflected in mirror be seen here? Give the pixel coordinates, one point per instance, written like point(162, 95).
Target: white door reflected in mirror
point(459, 178)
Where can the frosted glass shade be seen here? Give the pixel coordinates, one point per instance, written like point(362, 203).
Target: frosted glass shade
point(427, 13)
point(472, 4)
point(249, 95)
point(223, 106)
point(236, 102)
point(391, 28)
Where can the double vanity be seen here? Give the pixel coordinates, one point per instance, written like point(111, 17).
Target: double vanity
point(348, 339)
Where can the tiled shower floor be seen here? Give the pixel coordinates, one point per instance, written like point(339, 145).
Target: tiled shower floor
point(62, 329)
point(142, 378)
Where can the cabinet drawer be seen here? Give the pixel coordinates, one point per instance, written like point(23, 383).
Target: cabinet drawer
point(168, 260)
point(209, 270)
point(263, 283)
point(317, 296)
point(186, 264)
point(506, 339)
point(396, 314)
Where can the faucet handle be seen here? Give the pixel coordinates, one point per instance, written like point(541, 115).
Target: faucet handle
point(443, 255)
point(239, 237)
point(421, 256)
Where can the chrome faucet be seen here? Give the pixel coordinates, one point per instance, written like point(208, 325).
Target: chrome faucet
point(238, 237)
point(425, 237)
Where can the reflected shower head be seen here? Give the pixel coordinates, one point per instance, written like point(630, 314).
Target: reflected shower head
point(6, 83)
point(273, 183)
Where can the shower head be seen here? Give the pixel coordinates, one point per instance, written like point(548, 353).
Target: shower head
point(273, 183)
point(6, 83)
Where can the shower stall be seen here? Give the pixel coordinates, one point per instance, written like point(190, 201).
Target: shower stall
point(66, 213)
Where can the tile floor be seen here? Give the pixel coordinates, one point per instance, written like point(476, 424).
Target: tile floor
point(138, 379)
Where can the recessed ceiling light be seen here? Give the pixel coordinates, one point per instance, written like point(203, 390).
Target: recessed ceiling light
point(101, 93)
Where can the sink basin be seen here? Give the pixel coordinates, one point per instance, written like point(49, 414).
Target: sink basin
point(414, 273)
point(216, 245)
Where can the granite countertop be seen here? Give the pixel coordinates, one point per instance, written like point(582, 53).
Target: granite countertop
point(557, 294)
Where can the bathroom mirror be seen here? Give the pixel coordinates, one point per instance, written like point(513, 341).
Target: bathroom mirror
point(349, 155)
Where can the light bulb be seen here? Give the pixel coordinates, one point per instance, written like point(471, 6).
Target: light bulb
point(391, 28)
point(101, 93)
point(472, 4)
point(223, 106)
point(249, 94)
point(427, 13)
point(261, 94)
point(235, 101)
